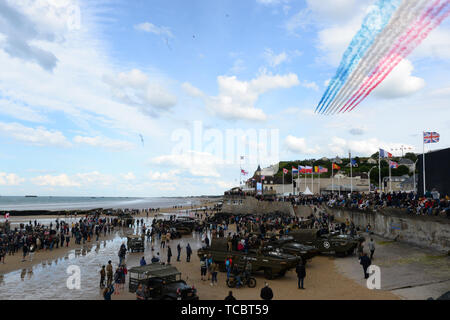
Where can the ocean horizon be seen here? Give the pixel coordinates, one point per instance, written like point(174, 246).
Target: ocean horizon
point(55, 203)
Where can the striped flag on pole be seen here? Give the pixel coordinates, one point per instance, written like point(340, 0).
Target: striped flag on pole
point(431, 137)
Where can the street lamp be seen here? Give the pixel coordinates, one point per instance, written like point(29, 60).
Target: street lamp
point(369, 175)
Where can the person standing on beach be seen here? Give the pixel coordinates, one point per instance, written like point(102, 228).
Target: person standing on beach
point(169, 254)
point(230, 296)
point(371, 246)
point(188, 253)
point(266, 292)
point(25, 251)
point(365, 262)
point(178, 251)
point(109, 273)
point(107, 293)
point(67, 240)
point(301, 274)
point(102, 277)
point(163, 241)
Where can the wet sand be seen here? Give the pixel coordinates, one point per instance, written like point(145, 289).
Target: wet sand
point(45, 277)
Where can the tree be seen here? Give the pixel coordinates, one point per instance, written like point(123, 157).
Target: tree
point(411, 156)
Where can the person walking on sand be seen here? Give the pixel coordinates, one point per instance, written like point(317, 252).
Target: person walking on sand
point(188, 253)
point(169, 254)
point(67, 240)
point(371, 246)
point(107, 293)
point(178, 251)
point(163, 241)
point(365, 262)
point(213, 269)
point(230, 296)
point(266, 292)
point(203, 267)
point(102, 277)
point(301, 274)
point(109, 273)
point(25, 251)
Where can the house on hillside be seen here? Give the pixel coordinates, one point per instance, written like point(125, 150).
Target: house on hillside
point(407, 163)
point(337, 160)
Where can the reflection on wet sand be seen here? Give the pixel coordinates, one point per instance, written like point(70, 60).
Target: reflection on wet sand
point(47, 280)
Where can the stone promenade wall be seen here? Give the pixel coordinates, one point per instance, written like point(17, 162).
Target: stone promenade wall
point(430, 232)
point(250, 205)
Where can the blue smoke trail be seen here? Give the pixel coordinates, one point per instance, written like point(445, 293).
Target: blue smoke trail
point(372, 25)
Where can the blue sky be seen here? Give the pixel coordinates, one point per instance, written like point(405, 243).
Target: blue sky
point(82, 80)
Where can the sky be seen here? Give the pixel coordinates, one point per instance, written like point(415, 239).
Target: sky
point(164, 98)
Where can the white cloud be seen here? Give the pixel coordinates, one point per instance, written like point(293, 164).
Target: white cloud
point(199, 164)
point(272, 2)
point(309, 85)
point(336, 11)
point(129, 176)
point(164, 176)
point(238, 66)
point(274, 59)
point(76, 87)
point(365, 147)
point(150, 27)
point(21, 112)
point(236, 99)
point(94, 178)
point(20, 41)
point(61, 180)
point(10, 179)
point(400, 82)
point(299, 145)
point(104, 142)
point(135, 88)
point(39, 136)
point(191, 90)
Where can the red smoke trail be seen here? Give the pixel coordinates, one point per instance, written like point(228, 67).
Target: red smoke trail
point(422, 37)
point(395, 52)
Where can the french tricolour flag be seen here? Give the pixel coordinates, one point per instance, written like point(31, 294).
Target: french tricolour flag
point(385, 154)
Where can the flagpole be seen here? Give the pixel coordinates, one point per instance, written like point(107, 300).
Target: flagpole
point(312, 176)
point(390, 183)
point(332, 178)
point(292, 179)
point(351, 172)
point(283, 182)
point(379, 170)
point(423, 167)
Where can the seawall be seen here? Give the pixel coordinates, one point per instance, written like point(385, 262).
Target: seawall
point(424, 231)
point(249, 205)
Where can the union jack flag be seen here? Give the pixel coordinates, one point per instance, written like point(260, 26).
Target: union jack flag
point(430, 137)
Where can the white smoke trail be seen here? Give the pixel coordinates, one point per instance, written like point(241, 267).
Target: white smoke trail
point(399, 56)
point(408, 11)
point(402, 45)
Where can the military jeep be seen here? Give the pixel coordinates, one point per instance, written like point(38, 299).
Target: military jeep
point(135, 243)
point(160, 282)
point(341, 245)
point(287, 244)
point(273, 263)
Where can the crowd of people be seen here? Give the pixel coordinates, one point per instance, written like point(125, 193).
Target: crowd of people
point(34, 236)
point(409, 202)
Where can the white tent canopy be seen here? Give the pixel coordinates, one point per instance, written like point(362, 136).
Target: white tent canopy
point(307, 192)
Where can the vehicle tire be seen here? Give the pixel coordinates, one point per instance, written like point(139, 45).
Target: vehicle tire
point(268, 274)
point(231, 283)
point(282, 273)
point(251, 282)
